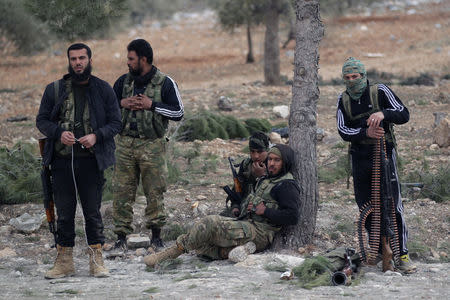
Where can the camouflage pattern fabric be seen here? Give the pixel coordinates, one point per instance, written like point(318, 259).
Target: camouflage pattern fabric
point(214, 233)
point(355, 88)
point(139, 157)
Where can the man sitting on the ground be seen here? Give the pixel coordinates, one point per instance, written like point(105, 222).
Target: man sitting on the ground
point(273, 203)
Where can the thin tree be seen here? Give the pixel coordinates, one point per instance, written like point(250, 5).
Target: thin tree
point(271, 44)
point(302, 123)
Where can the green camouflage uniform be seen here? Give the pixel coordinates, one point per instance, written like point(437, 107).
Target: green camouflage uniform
point(214, 233)
point(140, 154)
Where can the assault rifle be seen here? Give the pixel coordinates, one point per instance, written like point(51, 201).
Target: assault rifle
point(236, 194)
point(49, 204)
point(344, 276)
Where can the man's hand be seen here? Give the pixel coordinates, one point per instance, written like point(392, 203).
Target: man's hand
point(258, 169)
point(88, 140)
point(375, 119)
point(142, 102)
point(128, 102)
point(260, 209)
point(375, 132)
point(67, 138)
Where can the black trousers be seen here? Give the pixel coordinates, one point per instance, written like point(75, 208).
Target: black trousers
point(89, 181)
point(362, 165)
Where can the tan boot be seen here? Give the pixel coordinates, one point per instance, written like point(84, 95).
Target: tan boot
point(168, 253)
point(96, 266)
point(63, 264)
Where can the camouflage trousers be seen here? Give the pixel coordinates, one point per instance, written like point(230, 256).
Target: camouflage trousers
point(214, 235)
point(139, 159)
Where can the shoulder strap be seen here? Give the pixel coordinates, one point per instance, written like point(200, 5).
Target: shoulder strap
point(56, 89)
point(374, 97)
point(346, 104)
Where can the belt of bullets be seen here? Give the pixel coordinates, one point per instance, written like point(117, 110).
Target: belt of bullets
point(369, 250)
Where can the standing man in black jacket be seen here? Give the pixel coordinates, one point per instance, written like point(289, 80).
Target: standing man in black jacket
point(365, 113)
point(272, 203)
point(148, 100)
point(79, 116)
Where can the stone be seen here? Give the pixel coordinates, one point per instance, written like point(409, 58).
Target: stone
point(141, 252)
point(225, 103)
point(320, 134)
point(281, 111)
point(7, 252)
point(135, 242)
point(275, 138)
point(26, 223)
point(434, 147)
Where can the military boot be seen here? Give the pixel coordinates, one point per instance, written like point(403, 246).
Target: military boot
point(96, 266)
point(168, 253)
point(240, 253)
point(63, 264)
point(156, 240)
point(406, 266)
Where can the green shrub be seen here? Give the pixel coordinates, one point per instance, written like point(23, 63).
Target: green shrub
point(422, 79)
point(19, 26)
point(70, 20)
point(254, 125)
point(335, 171)
point(435, 185)
point(208, 126)
point(20, 180)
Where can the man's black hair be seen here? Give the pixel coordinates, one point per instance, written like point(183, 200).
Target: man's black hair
point(142, 49)
point(259, 140)
point(79, 46)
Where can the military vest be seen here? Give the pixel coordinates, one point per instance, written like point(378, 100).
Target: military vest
point(346, 103)
point(262, 194)
point(150, 124)
point(67, 117)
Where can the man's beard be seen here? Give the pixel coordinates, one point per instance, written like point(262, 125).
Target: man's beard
point(136, 72)
point(83, 76)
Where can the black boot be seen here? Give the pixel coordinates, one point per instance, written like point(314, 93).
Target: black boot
point(156, 239)
point(121, 243)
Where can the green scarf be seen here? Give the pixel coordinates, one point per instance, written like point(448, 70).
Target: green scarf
point(355, 88)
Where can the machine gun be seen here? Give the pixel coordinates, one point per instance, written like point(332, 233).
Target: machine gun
point(49, 204)
point(344, 276)
point(389, 236)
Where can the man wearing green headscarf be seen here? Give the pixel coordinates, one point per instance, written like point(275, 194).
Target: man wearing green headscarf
point(273, 203)
point(365, 113)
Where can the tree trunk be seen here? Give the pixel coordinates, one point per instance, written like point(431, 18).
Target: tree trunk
point(250, 57)
point(271, 44)
point(302, 123)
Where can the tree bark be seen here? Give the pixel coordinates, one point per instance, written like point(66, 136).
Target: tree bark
point(250, 57)
point(271, 44)
point(302, 123)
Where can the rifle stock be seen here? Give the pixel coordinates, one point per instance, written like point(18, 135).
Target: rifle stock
point(49, 204)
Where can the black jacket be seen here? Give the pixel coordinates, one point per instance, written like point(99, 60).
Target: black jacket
point(104, 116)
point(393, 109)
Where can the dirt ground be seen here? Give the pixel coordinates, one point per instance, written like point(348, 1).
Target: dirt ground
point(208, 63)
